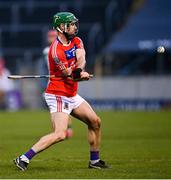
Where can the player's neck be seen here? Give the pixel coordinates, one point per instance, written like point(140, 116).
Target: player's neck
point(63, 40)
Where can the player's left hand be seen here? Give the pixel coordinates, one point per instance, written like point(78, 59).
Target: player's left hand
point(85, 76)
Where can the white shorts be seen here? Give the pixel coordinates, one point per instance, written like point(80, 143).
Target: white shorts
point(61, 103)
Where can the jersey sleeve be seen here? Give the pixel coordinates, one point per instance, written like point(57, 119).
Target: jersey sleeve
point(78, 43)
point(54, 57)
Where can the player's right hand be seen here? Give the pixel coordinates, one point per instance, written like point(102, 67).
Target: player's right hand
point(84, 76)
point(79, 75)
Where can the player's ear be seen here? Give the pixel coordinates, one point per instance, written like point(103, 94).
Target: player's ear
point(62, 26)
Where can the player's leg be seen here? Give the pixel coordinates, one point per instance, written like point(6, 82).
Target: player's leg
point(59, 124)
point(85, 113)
point(69, 131)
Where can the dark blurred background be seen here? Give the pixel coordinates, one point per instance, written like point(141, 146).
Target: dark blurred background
point(127, 42)
point(24, 24)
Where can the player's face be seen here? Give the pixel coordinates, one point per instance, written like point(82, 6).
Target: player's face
point(72, 28)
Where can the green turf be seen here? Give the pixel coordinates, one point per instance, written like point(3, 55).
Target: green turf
point(135, 144)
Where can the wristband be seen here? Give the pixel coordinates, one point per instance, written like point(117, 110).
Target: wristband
point(76, 74)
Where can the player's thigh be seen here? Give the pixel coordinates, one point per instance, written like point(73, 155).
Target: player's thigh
point(59, 121)
point(85, 113)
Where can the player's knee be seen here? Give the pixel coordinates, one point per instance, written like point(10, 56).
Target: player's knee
point(59, 136)
point(96, 123)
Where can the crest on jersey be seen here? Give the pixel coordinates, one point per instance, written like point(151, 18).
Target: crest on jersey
point(66, 105)
point(70, 53)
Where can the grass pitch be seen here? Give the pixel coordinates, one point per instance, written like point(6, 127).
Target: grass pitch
point(135, 144)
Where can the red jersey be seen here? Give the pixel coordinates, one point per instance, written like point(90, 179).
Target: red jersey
point(66, 55)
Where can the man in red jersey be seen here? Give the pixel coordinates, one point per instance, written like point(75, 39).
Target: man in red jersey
point(66, 57)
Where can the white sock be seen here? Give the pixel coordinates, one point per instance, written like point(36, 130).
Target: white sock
point(24, 158)
point(94, 161)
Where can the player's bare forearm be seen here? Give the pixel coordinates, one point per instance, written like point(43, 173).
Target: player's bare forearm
point(80, 55)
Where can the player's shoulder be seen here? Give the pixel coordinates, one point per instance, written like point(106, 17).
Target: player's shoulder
point(78, 43)
point(53, 49)
point(54, 45)
point(77, 39)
